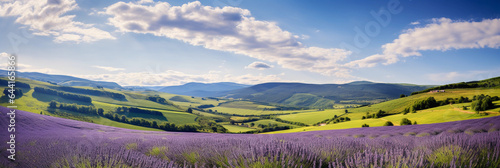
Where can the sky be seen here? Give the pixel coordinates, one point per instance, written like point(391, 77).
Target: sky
point(163, 43)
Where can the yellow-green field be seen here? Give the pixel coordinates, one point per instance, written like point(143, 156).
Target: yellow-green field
point(440, 114)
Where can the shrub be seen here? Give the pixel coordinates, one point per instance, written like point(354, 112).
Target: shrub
point(388, 123)
point(365, 125)
point(405, 121)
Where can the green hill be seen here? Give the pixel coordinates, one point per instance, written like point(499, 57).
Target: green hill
point(323, 95)
point(487, 83)
point(63, 80)
point(445, 113)
point(106, 99)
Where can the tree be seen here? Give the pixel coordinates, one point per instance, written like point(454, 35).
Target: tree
point(402, 95)
point(405, 121)
point(189, 110)
point(388, 123)
point(53, 104)
point(414, 122)
point(252, 124)
point(365, 125)
point(482, 103)
point(100, 111)
point(232, 122)
point(346, 111)
point(154, 125)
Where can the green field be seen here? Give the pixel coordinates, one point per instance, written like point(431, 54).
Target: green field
point(313, 117)
point(269, 121)
point(440, 114)
point(38, 103)
point(236, 129)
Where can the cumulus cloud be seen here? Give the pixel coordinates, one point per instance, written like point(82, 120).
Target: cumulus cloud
point(171, 77)
point(259, 65)
point(49, 18)
point(442, 34)
point(106, 68)
point(228, 29)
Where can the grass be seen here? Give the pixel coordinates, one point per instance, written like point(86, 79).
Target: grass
point(434, 115)
point(37, 103)
point(236, 129)
point(246, 105)
point(313, 117)
point(269, 121)
point(240, 111)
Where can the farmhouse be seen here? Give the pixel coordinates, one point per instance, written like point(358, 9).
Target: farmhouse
point(322, 124)
point(436, 91)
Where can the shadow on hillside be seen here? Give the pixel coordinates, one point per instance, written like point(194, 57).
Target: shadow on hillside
point(47, 98)
point(145, 116)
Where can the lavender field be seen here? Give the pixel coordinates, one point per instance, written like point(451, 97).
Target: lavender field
point(44, 141)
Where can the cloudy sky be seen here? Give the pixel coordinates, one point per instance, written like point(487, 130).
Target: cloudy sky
point(149, 42)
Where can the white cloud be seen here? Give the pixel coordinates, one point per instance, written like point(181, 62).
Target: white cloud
point(171, 77)
point(441, 35)
point(4, 59)
point(49, 18)
point(259, 65)
point(106, 68)
point(145, 1)
point(415, 23)
point(228, 29)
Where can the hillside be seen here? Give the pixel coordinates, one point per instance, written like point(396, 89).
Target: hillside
point(323, 95)
point(202, 89)
point(63, 80)
point(37, 96)
point(487, 83)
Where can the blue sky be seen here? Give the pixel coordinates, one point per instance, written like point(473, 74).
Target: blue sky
point(255, 41)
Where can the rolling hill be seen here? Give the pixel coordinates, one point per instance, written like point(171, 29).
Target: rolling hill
point(202, 89)
point(63, 80)
point(323, 95)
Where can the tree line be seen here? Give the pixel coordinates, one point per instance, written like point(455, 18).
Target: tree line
point(4, 82)
point(124, 109)
point(483, 102)
point(63, 94)
point(335, 119)
point(17, 92)
point(90, 110)
point(158, 99)
point(378, 114)
point(485, 84)
point(116, 96)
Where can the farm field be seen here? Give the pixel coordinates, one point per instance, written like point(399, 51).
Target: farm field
point(236, 129)
point(439, 114)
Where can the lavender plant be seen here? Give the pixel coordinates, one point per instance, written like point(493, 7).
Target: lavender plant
point(44, 141)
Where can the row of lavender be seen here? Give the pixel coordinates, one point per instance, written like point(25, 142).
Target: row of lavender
point(44, 141)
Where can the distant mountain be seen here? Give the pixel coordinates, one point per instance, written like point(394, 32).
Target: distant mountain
point(322, 95)
point(63, 80)
point(203, 89)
